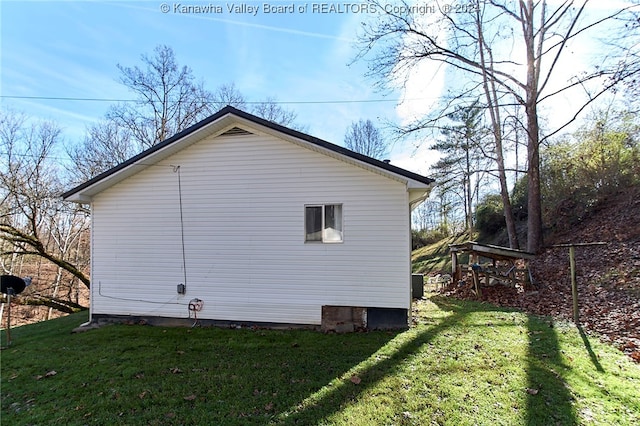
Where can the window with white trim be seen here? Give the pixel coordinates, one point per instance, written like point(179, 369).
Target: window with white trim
point(323, 223)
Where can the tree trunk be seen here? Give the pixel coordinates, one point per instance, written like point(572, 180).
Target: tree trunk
point(467, 180)
point(506, 201)
point(493, 106)
point(65, 306)
point(55, 291)
point(534, 204)
point(470, 224)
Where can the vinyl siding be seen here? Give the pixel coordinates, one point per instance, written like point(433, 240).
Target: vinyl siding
point(243, 201)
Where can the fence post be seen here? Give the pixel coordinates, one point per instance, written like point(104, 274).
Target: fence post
point(574, 284)
point(572, 264)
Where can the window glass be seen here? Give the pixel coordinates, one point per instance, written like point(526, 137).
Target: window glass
point(332, 223)
point(323, 223)
point(313, 223)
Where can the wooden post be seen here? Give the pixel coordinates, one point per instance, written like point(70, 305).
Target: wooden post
point(476, 283)
point(572, 264)
point(528, 278)
point(454, 266)
point(574, 284)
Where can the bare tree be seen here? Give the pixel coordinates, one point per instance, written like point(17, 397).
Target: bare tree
point(365, 138)
point(31, 212)
point(482, 45)
point(104, 146)
point(494, 109)
point(228, 94)
point(168, 99)
point(269, 109)
point(425, 216)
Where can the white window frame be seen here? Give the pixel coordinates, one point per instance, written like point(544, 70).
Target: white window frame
point(325, 238)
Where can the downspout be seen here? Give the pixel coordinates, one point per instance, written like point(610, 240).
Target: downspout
point(91, 260)
point(83, 200)
point(91, 269)
point(409, 275)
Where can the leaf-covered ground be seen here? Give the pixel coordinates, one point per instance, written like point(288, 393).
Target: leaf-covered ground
point(608, 276)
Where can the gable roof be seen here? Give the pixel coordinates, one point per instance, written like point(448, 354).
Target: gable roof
point(228, 120)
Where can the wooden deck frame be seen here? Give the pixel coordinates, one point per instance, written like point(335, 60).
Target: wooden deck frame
point(493, 253)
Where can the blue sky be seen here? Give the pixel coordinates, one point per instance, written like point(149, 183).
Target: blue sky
point(70, 49)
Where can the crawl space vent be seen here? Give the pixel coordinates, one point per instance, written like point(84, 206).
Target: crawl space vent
point(236, 131)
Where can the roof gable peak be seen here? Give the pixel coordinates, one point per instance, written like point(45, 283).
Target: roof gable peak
point(226, 122)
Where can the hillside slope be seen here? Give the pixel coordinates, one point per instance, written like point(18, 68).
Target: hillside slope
point(608, 275)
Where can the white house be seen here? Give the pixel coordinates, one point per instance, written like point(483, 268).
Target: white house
point(238, 220)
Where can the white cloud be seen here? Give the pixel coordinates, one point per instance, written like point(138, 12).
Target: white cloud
point(422, 84)
point(421, 91)
point(417, 159)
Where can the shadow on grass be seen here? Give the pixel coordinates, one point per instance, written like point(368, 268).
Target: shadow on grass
point(592, 355)
point(548, 396)
point(548, 399)
point(159, 375)
point(321, 405)
point(133, 374)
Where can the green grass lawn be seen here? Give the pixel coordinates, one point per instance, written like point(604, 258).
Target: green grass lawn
point(462, 363)
point(436, 256)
